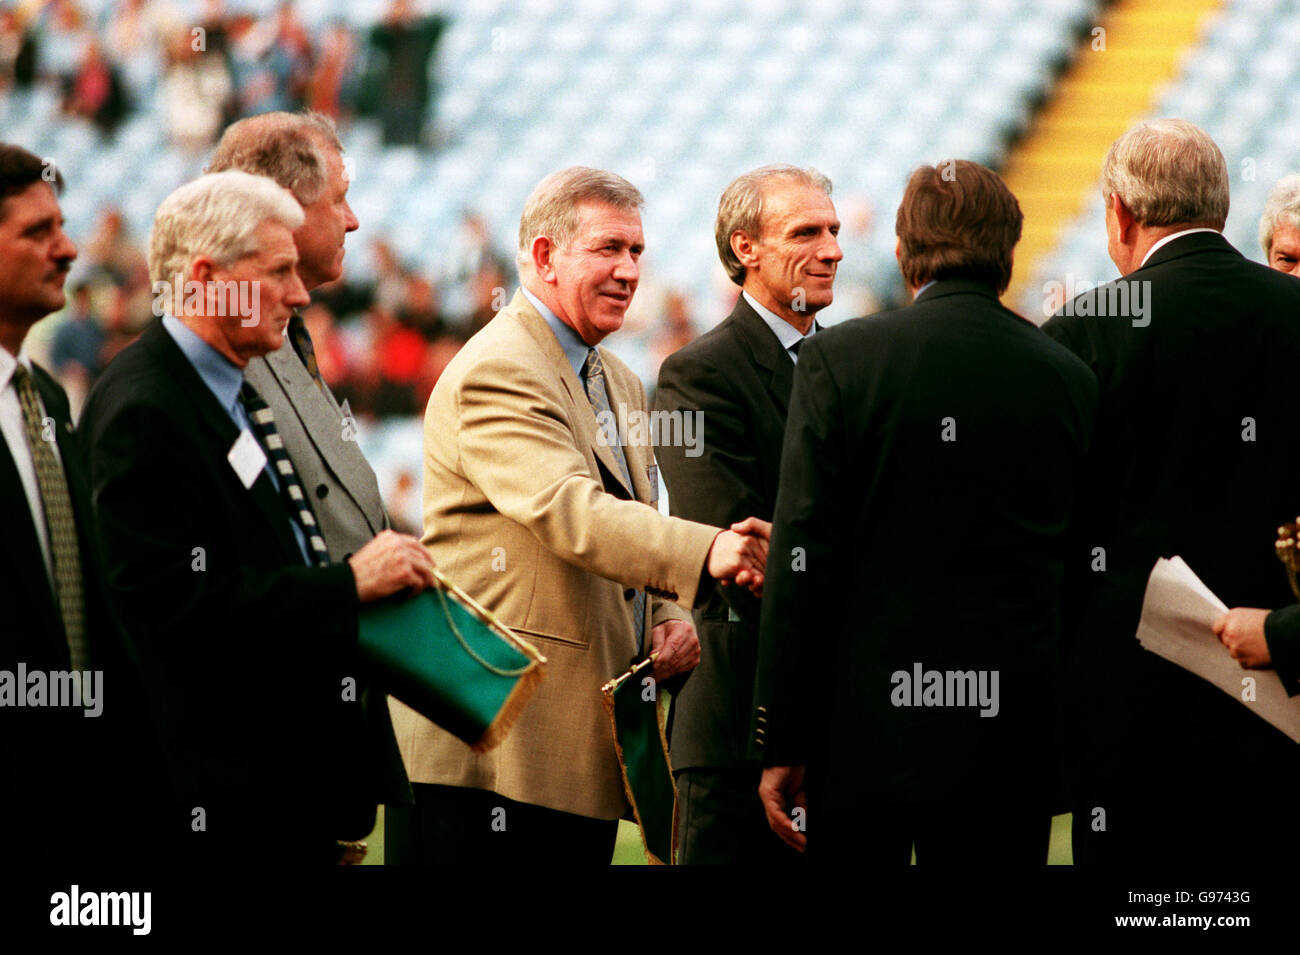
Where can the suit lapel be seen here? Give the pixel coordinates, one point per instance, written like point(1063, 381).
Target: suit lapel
point(320, 415)
point(580, 412)
point(221, 430)
point(766, 352)
point(23, 548)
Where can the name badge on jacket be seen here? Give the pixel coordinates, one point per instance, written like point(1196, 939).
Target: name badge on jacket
point(652, 478)
point(247, 458)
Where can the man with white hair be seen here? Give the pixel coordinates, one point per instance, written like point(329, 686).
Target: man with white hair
point(244, 627)
point(1195, 454)
point(1279, 226)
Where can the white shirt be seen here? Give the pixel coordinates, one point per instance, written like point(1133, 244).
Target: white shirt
point(1170, 238)
point(15, 436)
point(785, 333)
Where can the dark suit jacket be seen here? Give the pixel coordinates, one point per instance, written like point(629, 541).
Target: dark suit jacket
point(927, 478)
point(74, 782)
point(244, 648)
point(739, 378)
point(1196, 454)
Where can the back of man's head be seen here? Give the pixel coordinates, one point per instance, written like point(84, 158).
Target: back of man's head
point(217, 216)
point(552, 207)
point(1168, 172)
point(20, 169)
point(957, 220)
point(285, 147)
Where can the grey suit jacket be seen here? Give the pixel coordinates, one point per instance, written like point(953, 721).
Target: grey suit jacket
point(345, 498)
point(343, 490)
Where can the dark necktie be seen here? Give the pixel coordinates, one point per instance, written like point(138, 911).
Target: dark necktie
point(594, 374)
point(300, 338)
point(60, 522)
point(290, 487)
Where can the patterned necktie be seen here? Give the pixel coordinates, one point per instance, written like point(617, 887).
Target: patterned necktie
point(594, 373)
point(300, 338)
point(60, 523)
point(290, 487)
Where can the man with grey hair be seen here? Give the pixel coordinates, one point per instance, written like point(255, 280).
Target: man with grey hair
point(776, 232)
point(1195, 454)
point(540, 502)
point(302, 152)
point(244, 627)
point(1279, 226)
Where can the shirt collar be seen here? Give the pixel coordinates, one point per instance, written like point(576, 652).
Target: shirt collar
point(785, 333)
point(8, 364)
point(1170, 238)
point(575, 349)
point(923, 288)
point(221, 376)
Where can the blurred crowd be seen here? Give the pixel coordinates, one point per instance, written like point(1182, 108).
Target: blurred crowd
point(225, 65)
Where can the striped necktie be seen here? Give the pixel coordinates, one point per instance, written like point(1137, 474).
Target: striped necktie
point(60, 522)
point(594, 374)
point(290, 487)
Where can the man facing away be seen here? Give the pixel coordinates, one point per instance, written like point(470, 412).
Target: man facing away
point(908, 649)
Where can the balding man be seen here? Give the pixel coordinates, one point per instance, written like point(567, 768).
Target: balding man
point(1195, 454)
point(1279, 226)
point(244, 624)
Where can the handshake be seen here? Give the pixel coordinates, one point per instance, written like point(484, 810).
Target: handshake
point(739, 555)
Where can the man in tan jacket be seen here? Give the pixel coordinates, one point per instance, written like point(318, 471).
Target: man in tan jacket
point(535, 503)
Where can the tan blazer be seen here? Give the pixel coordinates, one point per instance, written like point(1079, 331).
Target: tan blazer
point(522, 509)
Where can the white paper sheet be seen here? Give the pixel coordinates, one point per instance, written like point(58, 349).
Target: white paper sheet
point(1178, 616)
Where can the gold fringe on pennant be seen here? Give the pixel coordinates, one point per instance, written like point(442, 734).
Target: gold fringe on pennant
point(607, 700)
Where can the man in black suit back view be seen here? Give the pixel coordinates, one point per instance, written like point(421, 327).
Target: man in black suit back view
point(908, 649)
point(72, 773)
point(776, 233)
point(1196, 455)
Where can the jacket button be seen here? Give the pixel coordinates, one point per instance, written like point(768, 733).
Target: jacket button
point(321, 491)
point(629, 594)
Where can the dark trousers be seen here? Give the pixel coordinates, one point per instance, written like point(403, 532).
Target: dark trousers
point(720, 820)
point(951, 835)
point(449, 825)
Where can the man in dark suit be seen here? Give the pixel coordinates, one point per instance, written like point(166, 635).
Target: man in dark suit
point(302, 153)
point(908, 647)
point(1196, 455)
point(776, 234)
point(61, 801)
point(245, 628)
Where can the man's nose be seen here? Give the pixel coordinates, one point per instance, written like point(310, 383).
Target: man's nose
point(627, 269)
point(831, 251)
point(351, 223)
point(297, 296)
point(64, 248)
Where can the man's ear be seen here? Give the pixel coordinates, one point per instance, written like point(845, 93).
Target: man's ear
point(1124, 218)
point(743, 248)
point(543, 255)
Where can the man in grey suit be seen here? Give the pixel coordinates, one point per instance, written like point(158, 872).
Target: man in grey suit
point(302, 152)
point(776, 234)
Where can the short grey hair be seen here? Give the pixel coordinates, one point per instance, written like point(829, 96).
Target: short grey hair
point(1168, 172)
point(285, 147)
point(216, 215)
point(552, 208)
point(1282, 208)
point(740, 209)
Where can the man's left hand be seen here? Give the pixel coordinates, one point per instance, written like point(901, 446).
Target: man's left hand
point(678, 648)
point(1241, 630)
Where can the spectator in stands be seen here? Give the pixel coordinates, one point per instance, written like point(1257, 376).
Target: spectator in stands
point(77, 344)
point(398, 88)
point(63, 36)
point(195, 93)
point(17, 50)
point(1279, 227)
point(95, 92)
point(332, 90)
